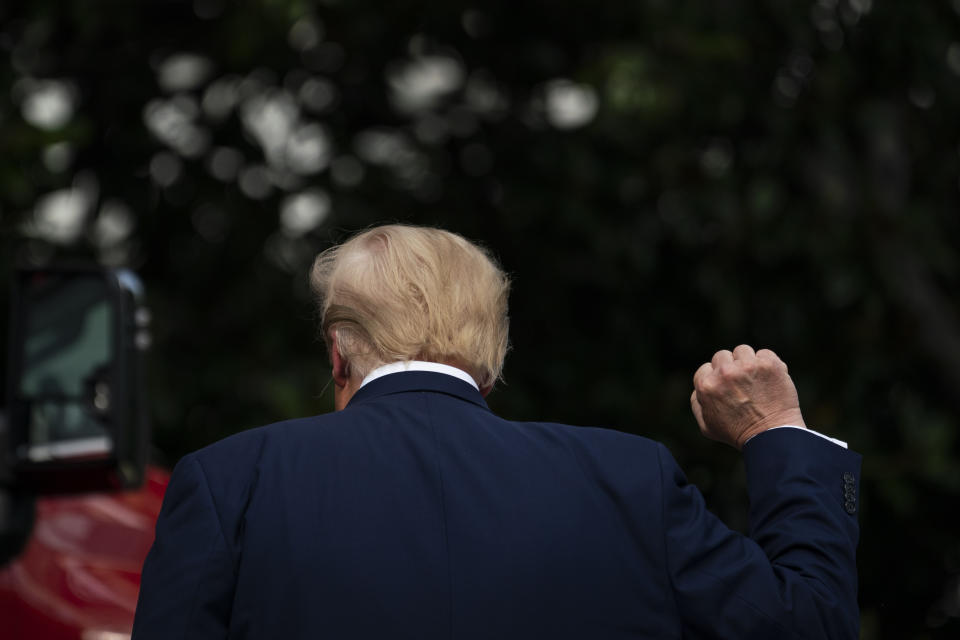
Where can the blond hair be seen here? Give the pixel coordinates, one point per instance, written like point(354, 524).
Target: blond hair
point(396, 293)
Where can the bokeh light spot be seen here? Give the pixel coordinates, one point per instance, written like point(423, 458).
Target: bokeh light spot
point(172, 122)
point(221, 96)
point(953, 57)
point(570, 105)
point(317, 94)
point(224, 163)
point(114, 223)
point(165, 168)
point(60, 217)
point(254, 182)
point(302, 212)
point(422, 82)
point(305, 33)
point(183, 72)
point(58, 156)
point(48, 104)
point(308, 150)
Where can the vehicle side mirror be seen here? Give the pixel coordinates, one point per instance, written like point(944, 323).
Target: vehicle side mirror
point(75, 409)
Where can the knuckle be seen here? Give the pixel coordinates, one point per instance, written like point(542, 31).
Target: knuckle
point(768, 367)
point(707, 385)
point(702, 372)
point(721, 356)
point(728, 370)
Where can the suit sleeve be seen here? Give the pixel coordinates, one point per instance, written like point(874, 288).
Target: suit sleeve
point(795, 575)
point(187, 584)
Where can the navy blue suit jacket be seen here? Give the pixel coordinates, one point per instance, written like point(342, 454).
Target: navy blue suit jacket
point(418, 513)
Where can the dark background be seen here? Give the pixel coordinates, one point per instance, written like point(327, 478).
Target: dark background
point(661, 178)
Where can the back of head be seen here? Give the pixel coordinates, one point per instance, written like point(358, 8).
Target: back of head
point(395, 293)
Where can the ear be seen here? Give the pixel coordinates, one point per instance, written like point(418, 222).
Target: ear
point(339, 364)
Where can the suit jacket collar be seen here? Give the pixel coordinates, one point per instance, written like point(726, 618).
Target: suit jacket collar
point(413, 381)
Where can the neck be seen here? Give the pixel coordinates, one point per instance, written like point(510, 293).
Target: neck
point(342, 394)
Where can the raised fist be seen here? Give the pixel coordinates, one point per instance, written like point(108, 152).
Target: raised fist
point(740, 394)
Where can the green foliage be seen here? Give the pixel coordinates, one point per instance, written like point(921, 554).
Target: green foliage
point(662, 179)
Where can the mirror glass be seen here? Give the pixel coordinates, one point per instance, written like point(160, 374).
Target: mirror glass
point(66, 367)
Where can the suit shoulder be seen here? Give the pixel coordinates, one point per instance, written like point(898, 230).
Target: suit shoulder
point(245, 448)
point(599, 436)
point(602, 447)
point(231, 467)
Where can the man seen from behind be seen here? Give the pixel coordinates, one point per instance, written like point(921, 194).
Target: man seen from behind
point(415, 512)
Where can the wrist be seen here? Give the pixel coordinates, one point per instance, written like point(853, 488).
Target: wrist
point(789, 418)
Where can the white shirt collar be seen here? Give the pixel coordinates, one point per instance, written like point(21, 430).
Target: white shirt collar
point(419, 365)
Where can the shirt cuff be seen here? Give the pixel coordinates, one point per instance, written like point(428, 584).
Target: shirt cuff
point(793, 426)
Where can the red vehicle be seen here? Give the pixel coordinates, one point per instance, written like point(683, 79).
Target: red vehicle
point(79, 573)
point(78, 504)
